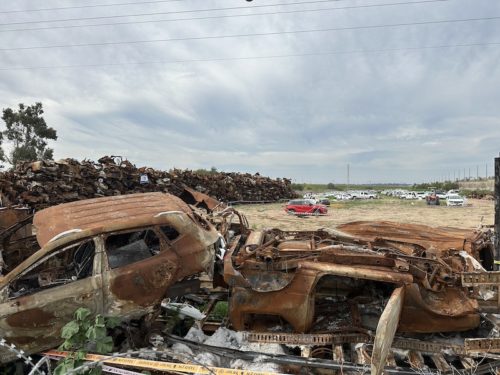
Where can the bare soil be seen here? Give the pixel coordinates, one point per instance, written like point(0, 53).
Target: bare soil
point(476, 212)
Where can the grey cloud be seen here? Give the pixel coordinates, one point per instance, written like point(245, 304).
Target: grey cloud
point(390, 115)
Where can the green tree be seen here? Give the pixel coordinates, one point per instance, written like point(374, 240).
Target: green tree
point(2, 155)
point(28, 133)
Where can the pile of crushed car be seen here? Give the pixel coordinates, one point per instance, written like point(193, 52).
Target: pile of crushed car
point(365, 296)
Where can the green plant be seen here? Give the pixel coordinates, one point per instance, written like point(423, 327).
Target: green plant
point(220, 310)
point(85, 333)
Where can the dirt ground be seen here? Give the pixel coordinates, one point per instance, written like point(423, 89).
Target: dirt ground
point(388, 209)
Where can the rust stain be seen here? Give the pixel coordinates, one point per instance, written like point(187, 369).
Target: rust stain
point(32, 318)
point(144, 283)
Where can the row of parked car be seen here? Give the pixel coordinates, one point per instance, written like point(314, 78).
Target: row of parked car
point(452, 197)
point(315, 205)
point(352, 194)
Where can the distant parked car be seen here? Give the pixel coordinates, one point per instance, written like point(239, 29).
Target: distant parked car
point(343, 196)
point(324, 201)
point(363, 195)
point(440, 194)
point(421, 195)
point(305, 206)
point(410, 195)
point(432, 199)
point(455, 200)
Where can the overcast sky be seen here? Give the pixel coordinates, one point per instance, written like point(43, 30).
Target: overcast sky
point(291, 104)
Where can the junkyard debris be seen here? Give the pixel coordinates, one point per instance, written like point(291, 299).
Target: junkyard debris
point(45, 183)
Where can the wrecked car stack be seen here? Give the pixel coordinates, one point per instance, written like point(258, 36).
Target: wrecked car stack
point(45, 183)
point(365, 294)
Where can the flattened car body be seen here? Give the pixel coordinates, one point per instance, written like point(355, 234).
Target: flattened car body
point(115, 255)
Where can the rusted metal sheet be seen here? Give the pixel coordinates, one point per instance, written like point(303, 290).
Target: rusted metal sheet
point(409, 237)
point(16, 239)
point(368, 273)
point(199, 199)
point(386, 329)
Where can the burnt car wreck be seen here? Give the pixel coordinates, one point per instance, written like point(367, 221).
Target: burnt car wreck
point(115, 256)
point(369, 294)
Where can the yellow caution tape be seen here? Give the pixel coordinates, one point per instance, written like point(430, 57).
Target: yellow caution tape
point(161, 366)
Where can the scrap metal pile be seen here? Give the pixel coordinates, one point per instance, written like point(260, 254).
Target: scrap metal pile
point(45, 183)
point(367, 296)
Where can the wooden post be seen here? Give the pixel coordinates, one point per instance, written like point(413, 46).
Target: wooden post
point(497, 208)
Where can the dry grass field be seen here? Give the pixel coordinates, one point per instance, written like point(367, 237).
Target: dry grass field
point(388, 209)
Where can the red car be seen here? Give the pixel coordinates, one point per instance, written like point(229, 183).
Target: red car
point(305, 206)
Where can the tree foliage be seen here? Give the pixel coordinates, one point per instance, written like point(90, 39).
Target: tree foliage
point(28, 132)
point(447, 185)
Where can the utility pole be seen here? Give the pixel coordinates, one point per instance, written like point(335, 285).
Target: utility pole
point(486, 171)
point(347, 176)
point(497, 208)
point(469, 173)
point(477, 172)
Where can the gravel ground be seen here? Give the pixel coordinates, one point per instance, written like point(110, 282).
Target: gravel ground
point(387, 209)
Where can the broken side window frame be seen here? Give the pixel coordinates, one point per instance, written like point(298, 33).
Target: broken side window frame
point(156, 231)
point(6, 292)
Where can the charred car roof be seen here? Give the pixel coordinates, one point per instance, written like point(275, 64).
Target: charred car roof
point(97, 213)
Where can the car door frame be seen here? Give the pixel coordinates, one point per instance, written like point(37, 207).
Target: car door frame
point(135, 289)
point(34, 321)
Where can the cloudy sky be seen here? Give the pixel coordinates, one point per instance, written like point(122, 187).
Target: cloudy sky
point(402, 91)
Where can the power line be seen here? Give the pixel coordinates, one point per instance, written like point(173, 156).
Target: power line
point(249, 34)
point(86, 6)
point(172, 12)
point(222, 59)
point(227, 16)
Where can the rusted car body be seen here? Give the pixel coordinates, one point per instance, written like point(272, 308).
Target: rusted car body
point(16, 239)
point(343, 285)
point(116, 256)
point(311, 279)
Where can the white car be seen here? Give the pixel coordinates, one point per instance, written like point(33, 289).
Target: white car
point(363, 195)
point(422, 194)
point(455, 200)
point(441, 194)
point(410, 195)
point(343, 196)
